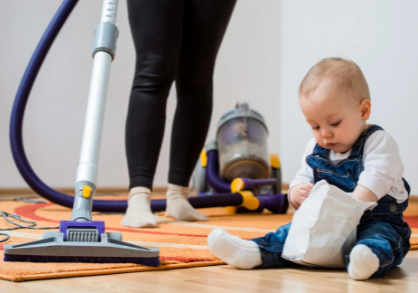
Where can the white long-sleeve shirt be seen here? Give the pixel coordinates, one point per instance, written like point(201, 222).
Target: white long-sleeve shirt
point(383, 167)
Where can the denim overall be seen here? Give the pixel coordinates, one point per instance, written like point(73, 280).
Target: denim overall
point(381, 229)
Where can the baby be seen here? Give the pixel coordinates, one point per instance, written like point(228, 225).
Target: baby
point(350, 154)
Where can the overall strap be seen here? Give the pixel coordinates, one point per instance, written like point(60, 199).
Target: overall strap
point(358, 147)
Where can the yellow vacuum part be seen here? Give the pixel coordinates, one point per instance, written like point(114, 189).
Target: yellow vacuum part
point(86, 192)
point(203, 158)
point(231, 210)
point(275, 161)
point(237, 185)
point(249, 200)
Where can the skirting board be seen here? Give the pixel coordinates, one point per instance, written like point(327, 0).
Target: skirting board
point(70, 190)
point(109, 190)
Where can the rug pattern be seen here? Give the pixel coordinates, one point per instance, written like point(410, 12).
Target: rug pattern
point(182, 244)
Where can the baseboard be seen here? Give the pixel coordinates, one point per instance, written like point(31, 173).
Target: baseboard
point(117, 190)
point(70, 190)
point(285, 187)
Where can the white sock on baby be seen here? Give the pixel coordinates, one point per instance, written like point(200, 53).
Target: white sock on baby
point(242, 254)
point(178, 205)
point(363, 263)
point(138, 214)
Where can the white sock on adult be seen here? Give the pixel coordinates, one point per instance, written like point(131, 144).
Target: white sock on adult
point(138, 214)
point(178, 205)
point(242, 254)
point(363, 263)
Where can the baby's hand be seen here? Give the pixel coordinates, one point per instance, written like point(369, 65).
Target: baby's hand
point(300, 193)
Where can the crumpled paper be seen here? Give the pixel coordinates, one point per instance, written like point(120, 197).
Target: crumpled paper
point(324, 228)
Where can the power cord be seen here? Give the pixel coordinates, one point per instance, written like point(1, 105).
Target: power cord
point(31, 224)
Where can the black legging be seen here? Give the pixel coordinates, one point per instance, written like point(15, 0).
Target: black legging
point(174, 40)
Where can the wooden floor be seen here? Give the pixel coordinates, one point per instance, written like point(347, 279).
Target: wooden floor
point(228, 279)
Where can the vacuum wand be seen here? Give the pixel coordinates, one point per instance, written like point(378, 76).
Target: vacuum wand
point(105, 37)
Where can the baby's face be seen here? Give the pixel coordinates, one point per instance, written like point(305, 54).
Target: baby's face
point(337, 119)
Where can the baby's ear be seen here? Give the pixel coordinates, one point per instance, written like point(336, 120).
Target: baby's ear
point(365, 109)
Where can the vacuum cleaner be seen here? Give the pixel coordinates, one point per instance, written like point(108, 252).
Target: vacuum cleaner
point(81, 239)
point(237, 161)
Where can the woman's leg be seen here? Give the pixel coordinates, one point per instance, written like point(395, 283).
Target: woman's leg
point(156, 31)
point(205, 23)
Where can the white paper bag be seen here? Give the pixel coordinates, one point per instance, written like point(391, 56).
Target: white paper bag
point(324, 228)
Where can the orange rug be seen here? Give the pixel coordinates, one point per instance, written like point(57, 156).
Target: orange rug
point(182, 244)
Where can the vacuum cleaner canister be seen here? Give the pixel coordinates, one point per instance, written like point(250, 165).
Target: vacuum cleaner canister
point(242, 144)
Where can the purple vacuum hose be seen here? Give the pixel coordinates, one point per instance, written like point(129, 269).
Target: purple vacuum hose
point(22, 163)
point(276, 203)
point(212, 171)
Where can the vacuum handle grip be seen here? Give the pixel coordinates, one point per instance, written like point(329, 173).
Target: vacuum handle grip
point(109, 10)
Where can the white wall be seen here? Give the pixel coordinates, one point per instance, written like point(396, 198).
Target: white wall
point(382, 38)
point(268, 48)
point(247, 70)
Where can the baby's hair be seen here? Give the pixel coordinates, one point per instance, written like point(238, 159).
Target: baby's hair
point(345, 75)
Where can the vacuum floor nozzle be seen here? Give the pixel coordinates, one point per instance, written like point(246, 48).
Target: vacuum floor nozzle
point(82, 242)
